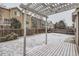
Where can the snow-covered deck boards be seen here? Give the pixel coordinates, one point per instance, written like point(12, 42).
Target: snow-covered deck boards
point(35, 45)
point(63, 49)
point(55, 47)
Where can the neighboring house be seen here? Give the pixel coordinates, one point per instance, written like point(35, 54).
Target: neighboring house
point(43, 23)
point(28, 22)
point(18, 14)
point(31, 22)
point(7, 14)
point(38, 23)
point(50, 25)
point(4, 14)
point(34, 23)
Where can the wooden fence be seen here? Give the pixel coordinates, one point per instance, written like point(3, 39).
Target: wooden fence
point(63, 31)
point(8, 31)
point(20, 32)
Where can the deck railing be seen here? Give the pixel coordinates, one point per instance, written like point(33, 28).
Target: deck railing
point(8, 31)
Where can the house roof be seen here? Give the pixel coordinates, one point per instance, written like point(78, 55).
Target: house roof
point(4, 8)
point(17, 9)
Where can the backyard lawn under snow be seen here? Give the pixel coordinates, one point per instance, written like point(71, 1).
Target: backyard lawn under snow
point(15, 47)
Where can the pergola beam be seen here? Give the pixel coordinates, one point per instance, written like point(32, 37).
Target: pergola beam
point(37, 5)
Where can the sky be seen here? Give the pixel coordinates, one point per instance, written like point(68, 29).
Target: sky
point(66, 16)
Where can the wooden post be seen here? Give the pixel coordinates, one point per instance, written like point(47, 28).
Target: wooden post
point(24, 48)
point(3, 26)
point(78, 28)
point(30, 23)
point(46, 32)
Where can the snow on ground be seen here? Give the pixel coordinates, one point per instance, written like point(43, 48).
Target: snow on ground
point(53, 38)
point(15, 47)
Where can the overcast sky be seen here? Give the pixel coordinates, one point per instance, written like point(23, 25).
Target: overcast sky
point(66, 15)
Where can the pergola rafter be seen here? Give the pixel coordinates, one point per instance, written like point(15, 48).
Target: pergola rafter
point(32, 10)
point(46, 9)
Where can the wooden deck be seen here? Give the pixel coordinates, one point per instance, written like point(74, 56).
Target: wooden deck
point(61, 49)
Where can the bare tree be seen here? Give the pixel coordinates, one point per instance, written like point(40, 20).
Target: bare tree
point(61, 25)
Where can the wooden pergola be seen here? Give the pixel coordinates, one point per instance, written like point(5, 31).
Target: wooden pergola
point(44, 10)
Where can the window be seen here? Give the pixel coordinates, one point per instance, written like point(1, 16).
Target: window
point(27, 22)
point(0, 17)
point(15, 13)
